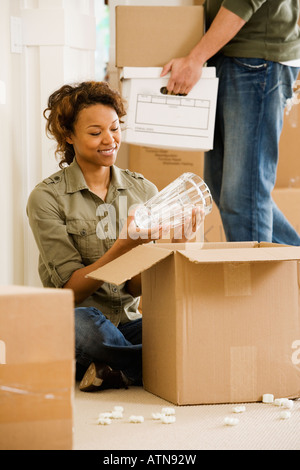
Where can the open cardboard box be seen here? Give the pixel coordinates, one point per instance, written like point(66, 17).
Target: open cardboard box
point(220, 320)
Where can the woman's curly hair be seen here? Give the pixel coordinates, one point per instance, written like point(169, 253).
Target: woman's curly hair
point(64, 106)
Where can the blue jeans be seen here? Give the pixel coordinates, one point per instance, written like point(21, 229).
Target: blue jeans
point(241, 169)
point(98, 340)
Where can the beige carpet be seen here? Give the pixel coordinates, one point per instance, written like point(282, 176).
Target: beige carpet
point(196, 428)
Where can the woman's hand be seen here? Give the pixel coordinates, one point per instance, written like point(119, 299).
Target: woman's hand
point(133, 235)
point(187, 231)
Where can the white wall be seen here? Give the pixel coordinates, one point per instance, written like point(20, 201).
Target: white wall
point(58, 46)
point(11, 232)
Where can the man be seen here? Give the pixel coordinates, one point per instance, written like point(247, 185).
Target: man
point(255, 47)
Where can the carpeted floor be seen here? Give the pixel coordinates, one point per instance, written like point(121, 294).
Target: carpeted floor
point(196, 427)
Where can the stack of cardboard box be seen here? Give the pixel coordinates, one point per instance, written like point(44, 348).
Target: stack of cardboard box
point(221, 321)
point(287, 189)
point(139, 45)
point(147, 37)
point(163, 165)
point(143, 48)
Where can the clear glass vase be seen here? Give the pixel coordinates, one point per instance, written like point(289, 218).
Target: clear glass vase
point(175, 203)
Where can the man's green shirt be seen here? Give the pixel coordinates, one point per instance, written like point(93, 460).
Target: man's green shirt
point(271, 32)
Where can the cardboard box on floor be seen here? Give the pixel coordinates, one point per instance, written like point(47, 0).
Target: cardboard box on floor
point(220, 321)
point(36, 368)
point(162, 166)
point(288, 172)
point(288, 201)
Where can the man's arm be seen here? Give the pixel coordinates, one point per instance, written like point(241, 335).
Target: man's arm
point(186, 71)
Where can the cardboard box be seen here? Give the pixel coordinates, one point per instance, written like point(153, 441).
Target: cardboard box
point(112, 16)
point(162, 166)
point(161, 120)
point(220, 321)
point(288, 201)
point(213, 227)
point(36, 368)
point(288, 171)
point(150, 36)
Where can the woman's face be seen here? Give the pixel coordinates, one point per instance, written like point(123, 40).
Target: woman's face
point(97, 136)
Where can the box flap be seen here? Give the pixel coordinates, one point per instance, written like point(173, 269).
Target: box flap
point(242, 254)
point(130, 264)
point(142, 257)
point(155, 72)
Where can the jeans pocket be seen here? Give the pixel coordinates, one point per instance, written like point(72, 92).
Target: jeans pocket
point(251, 64)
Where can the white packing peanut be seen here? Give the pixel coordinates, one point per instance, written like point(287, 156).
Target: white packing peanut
point(284, 403)
point(288, 404)
point(239, 409)
point(136, 419)
point(231, 421)
point(168, 419)
point(280, 401)
point(268, 398)
point(284, 414)
point(168, 411)
point(119, 408)
point(104, 420)
point(106, 414)
point(157, 415)
point(115, 414)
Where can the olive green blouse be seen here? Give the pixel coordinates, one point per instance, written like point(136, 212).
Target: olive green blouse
point(73, 228)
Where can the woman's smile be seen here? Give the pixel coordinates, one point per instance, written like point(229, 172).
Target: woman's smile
point(108, 152)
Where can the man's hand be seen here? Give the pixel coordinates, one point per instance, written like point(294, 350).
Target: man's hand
point(185, 73)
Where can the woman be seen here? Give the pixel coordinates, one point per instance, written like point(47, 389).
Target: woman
point(79, 218)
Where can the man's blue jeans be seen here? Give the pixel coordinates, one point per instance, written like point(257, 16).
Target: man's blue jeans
point(241, 169)
point(98, 340)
